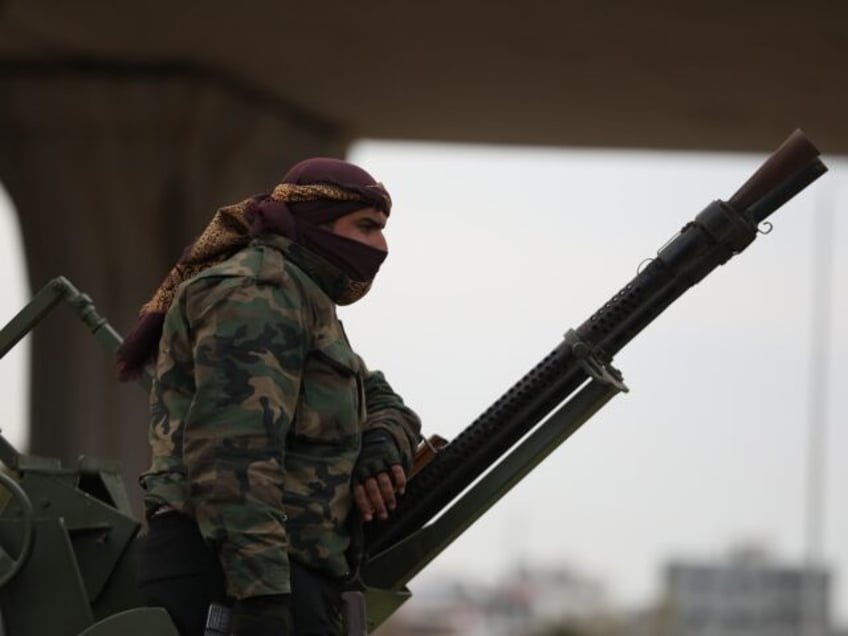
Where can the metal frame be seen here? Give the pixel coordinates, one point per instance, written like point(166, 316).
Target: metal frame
point(387, 573)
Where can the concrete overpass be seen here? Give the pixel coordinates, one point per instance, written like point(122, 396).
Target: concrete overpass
point(122, 125)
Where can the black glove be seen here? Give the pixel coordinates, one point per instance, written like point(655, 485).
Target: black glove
point(379, 453)
point(263, 616)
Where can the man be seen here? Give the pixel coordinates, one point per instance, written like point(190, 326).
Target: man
point(267, 430)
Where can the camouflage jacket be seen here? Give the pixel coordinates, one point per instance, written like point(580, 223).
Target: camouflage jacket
point(257, 411)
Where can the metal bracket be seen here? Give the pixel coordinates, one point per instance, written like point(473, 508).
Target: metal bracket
point(57, 290)
point(592, 364)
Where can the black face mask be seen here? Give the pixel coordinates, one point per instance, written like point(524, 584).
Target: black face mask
point(358, 261)
point(304, 222)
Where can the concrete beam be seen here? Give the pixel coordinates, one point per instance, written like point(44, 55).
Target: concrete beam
point(112, 175)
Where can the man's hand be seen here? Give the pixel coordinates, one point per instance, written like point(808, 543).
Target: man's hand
point(376, 496)
point(379, 476)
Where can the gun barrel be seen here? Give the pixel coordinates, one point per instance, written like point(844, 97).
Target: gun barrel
point(720, 231)
point(792, 156)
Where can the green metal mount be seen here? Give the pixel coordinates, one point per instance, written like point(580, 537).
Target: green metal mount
point(52, 294)
point(387, 573)
point(67, 533)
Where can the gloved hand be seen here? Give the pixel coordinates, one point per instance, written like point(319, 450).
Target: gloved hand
point(379, 473)
point(379, 453)
point(263, 616)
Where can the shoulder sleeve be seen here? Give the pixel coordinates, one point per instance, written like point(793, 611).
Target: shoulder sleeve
point(249, 344)
point(386, 410)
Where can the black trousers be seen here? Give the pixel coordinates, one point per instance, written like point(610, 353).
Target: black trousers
point(178, 571)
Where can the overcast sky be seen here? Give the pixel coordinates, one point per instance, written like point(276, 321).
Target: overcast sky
point(495, 253)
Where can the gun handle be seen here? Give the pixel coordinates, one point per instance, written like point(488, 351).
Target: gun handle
point(218, 620)
point(426, 452)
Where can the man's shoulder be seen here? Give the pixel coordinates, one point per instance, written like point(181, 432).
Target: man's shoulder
point(255, 264)
point(257, 270)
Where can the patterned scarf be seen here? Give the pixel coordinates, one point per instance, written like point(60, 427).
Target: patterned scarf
point(314, 193)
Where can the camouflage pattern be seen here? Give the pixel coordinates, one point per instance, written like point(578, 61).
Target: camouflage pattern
point(257, 410)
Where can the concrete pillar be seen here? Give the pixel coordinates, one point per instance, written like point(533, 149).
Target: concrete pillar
point(113, 171)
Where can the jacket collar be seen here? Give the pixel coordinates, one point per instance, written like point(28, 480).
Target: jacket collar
point(332, 281)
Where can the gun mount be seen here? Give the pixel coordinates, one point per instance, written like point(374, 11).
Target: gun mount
point(68, 531)
point(73, 527)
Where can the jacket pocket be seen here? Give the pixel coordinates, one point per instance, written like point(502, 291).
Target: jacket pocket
point(331, 405)
point(339, 356)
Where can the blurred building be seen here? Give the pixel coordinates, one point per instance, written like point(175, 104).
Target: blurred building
point(746, 596)
point(522, 603)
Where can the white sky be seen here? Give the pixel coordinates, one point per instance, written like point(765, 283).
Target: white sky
point(496, 252)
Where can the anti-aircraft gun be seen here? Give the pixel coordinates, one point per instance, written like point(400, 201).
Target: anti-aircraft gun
point(69, 529)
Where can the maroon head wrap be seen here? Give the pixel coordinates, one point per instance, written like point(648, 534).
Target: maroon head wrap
point(312, 195)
